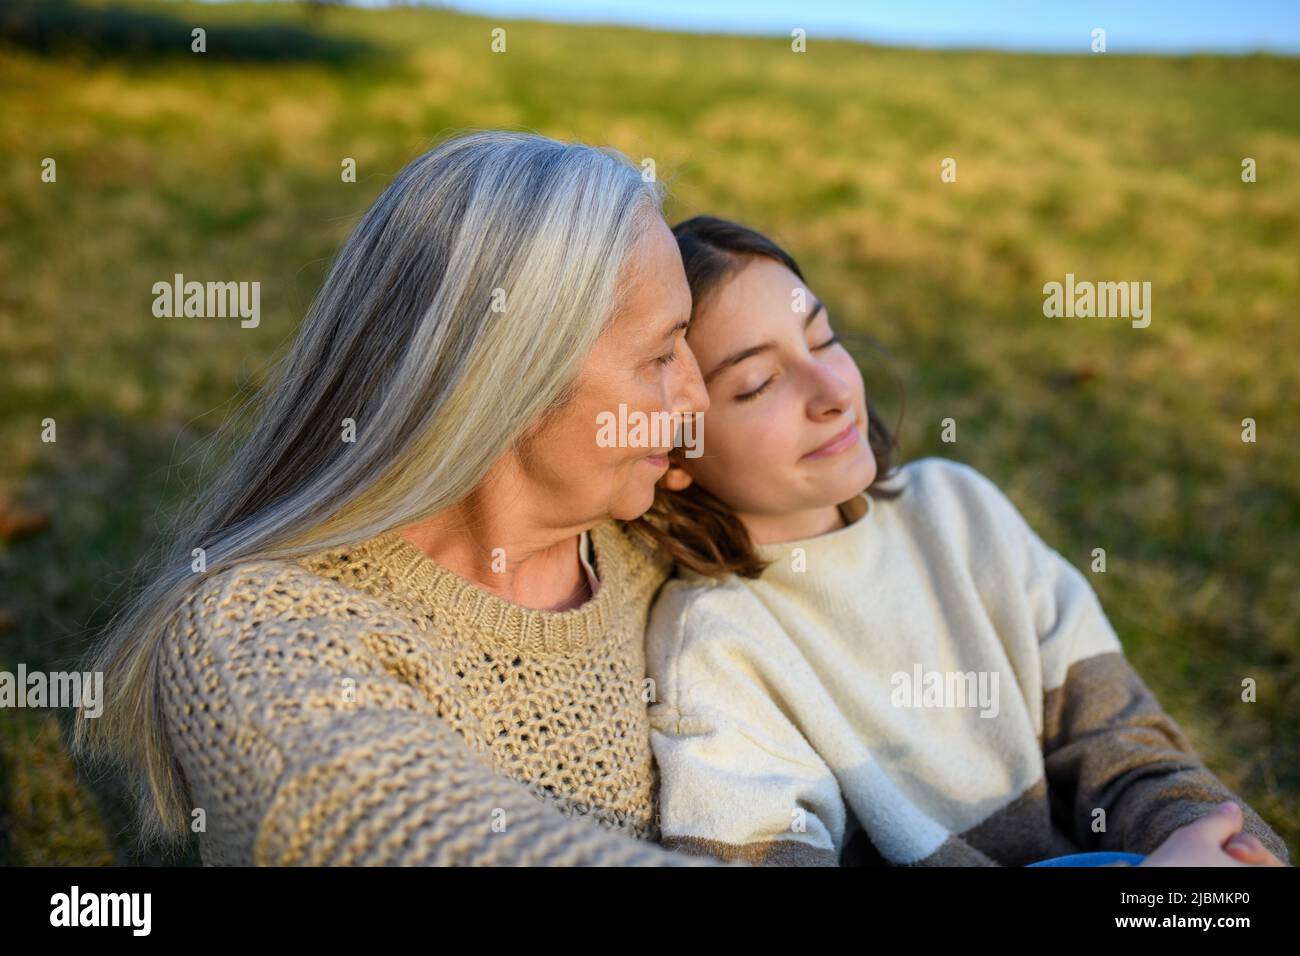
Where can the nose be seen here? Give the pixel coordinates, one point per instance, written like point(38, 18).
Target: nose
point(689, 392)
point(832, 394)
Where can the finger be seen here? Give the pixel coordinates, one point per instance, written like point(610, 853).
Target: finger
point(1220, 823)
point(1246, 848)
point(1243, 853)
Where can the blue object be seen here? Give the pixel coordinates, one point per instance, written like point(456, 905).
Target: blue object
point(1100, 858)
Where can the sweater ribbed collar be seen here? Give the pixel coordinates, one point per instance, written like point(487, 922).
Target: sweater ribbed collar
point(853, 511)
point(442, 593)
point(828, 560)
point(838, 548)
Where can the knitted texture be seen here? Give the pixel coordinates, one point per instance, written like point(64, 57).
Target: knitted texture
point(366, 705)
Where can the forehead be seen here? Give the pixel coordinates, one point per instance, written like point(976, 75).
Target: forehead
point(757, 295)
point(653, 284)
point(761, 282)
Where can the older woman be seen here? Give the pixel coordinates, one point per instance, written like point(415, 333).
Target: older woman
point(407, 608)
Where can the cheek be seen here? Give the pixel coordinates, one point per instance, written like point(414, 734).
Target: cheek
point(641, 425)
point(848, 370)
point(741, 441)
point(581, 449)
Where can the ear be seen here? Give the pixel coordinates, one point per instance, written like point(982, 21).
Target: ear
point(675, 478)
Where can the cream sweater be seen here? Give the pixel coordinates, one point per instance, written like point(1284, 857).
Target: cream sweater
point(366, 705)
point(930, 685)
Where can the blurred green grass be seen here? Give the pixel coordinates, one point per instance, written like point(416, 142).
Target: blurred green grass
point(1113, 168)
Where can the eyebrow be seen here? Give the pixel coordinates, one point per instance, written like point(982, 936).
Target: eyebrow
point(737, 357)
point(677, 328)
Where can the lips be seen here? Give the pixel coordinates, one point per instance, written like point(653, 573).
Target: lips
point(837, 443)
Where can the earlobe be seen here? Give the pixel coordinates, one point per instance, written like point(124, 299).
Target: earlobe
point(675, 479)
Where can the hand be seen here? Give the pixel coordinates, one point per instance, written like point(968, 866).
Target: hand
point(1213, 840)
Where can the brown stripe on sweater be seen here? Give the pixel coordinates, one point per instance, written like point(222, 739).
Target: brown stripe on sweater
point(1016, 835)
point(1108, 744)
point(1021, 832)
point(955, 851)
point(763, 853)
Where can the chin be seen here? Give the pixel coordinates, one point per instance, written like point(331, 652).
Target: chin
point(632, 506)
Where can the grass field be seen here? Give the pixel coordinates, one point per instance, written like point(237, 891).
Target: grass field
point(226, 165)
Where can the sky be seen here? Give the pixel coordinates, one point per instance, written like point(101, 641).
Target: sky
point(1132, 26)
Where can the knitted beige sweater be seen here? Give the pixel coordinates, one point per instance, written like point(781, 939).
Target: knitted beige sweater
point(367, 705)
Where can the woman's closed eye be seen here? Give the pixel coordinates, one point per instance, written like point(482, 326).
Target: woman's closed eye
point(750, 395)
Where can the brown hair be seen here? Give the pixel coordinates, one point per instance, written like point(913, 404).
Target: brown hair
point(692, 526)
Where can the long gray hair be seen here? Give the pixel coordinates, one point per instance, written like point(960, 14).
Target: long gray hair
point(455, 317)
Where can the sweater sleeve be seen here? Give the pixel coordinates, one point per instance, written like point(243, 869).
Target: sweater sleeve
point(300, 749)
point(1107, 743)
point(737, 779)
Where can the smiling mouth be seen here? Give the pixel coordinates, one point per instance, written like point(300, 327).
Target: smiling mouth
point(845, 439)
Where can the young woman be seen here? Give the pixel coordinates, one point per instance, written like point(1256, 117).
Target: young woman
point(864, 664)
